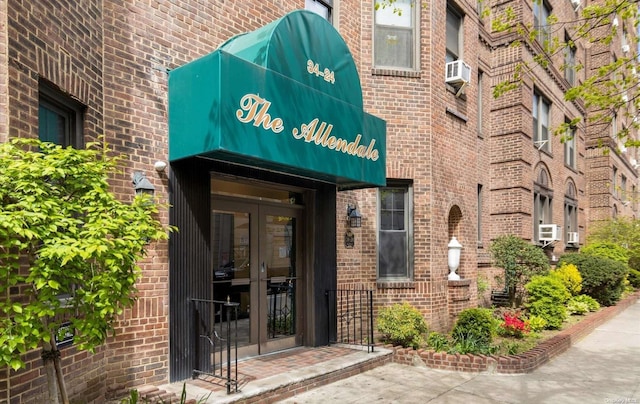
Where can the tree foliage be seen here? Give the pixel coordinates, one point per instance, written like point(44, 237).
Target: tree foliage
point(68, 246)
point(606, 249)
point(622, 231)
point(520, 261)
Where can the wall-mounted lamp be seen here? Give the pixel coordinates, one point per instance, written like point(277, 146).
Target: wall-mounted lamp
point(454, 258)
point(354, 218)
point(160, 166)
point(141, 184)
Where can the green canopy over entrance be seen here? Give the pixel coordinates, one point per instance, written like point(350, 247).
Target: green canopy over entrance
point(285, 97)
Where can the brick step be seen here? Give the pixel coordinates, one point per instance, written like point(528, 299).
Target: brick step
point(280, 391)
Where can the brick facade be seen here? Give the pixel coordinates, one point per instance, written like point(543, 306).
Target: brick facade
point(113, 57)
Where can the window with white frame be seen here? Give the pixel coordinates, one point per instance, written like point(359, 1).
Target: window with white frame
point(570, 210)
point(570, 146)
point(541, 13)
point(454, 34)
point(541, 117)
point(542, 202)
point(395, 234)
point(614, 182)
point(623, 188)
point(395, 35)
point(60, 117)
point(323, 8)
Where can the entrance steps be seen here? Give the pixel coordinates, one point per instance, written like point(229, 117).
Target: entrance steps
point(273, 377)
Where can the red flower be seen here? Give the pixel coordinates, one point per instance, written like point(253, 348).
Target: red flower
point(513, 325)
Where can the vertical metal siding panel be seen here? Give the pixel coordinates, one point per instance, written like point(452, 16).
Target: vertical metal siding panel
point(325, 259)
point(189, 260)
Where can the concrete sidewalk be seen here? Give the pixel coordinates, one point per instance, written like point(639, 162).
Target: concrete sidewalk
point(604, 367)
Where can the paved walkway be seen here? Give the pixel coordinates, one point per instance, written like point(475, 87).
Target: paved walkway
point(604, 367)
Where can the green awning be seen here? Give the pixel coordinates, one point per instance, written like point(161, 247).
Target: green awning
point(285, 97)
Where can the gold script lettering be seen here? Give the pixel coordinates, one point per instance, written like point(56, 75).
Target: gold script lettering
point(255, 109)
point(320, 134)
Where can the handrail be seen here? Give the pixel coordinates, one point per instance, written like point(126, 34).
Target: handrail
point(350, 313)
point(210, 317)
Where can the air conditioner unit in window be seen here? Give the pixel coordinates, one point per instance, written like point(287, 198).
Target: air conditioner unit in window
point(625, 48)
point(549, 232)
point(457, 72)
point(573, 237)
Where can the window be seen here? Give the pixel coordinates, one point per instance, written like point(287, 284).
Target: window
point(614, 126)
point(324, 8)
point(542, 198)
point(541, 109)
point(570, 210)
point(623, 188)
point(570, 61)
point(395, 235)
point(541, 13)
point(454, 35)
point(570, 146)
point(395, 42)
point(480, 203)
point(480, 103)
point(624, 38)
point(614, 182)
point(59, 117)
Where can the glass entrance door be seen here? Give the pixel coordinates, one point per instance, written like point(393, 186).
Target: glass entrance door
point(278, 279)
point(255, 248)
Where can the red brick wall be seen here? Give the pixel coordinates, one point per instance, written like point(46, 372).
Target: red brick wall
point(113, 56)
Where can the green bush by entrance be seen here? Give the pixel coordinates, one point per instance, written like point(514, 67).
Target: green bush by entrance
point(477, 324)
point(402, 324)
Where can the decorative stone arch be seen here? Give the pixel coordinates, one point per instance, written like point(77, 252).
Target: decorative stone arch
point(543, 176)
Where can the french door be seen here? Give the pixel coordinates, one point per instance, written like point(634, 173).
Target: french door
point(256, 247)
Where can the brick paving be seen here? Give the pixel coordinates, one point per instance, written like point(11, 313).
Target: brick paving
point(264, 366)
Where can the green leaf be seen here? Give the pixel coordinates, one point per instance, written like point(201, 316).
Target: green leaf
point(53, 284)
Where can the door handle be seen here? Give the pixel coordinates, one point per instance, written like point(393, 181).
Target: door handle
point(263, 272)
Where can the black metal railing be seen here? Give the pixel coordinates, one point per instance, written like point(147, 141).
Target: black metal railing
point(350, 317)
point(216, 340)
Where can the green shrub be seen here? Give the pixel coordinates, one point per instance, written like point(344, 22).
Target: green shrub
point(402, 324)
point(592, 304)
point(577, 307)
point(437, 341)
point(537, 323)
point(602, 278)
point(547, 298)
point(475, 325)
point(634, 278)
point(520, 261)
point(471, 344)
point(607, 249)
point(570, 277)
